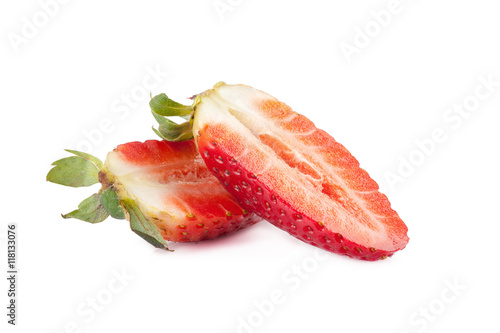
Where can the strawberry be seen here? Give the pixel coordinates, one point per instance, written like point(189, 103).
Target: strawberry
point(283, 168)
point(163, 188)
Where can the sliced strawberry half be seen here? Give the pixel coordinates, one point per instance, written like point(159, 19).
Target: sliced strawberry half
point(173, 187)
point(163, 188)
point(279, 165)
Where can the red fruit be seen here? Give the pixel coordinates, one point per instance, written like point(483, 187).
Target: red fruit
point(173, 187)
point(279, 165)
point(163, 188)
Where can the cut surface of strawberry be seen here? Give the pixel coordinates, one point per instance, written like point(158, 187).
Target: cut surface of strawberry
point(173, 187)
point(298, 177)
point(163, 188)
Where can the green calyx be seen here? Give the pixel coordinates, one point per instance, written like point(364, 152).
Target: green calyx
point(162, 108)
point(84, 170)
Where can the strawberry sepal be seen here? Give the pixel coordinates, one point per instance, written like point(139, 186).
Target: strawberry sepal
point(164, 106)
point(171, 131)
point(109, 200)
point(89, 210)
point(142, 226)
point(75, 171)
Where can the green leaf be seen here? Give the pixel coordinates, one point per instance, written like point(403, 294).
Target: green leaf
point(159, 134)
point(142, 226)
point(86, 156)
point(74, 171)
point(160, 119)
point(164, 106)
point(171, 131)
point(109, 200)
point(176, 132)
point(89, 210)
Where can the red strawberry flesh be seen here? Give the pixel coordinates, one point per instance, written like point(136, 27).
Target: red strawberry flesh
point(279, 165)
point(174, 189)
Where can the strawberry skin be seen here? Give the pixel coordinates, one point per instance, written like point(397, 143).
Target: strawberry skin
point(174, 190)
point(283, 168)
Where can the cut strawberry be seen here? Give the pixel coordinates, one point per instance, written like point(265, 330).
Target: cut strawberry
point(279, 165)
point(163, 188)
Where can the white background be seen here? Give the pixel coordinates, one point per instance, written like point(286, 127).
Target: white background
point(72, 73)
